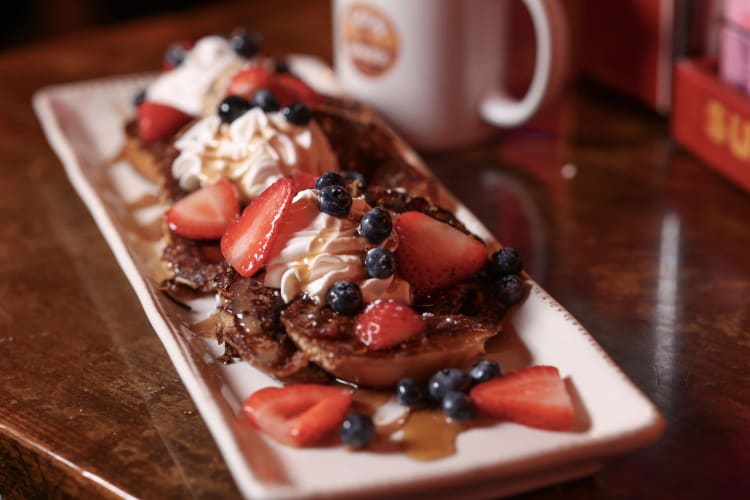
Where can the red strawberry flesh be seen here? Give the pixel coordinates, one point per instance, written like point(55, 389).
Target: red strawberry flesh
point(534, 396)
point(387, 323)
point(432, 254)
point(298, 414)
point(248, 239)
point(204, 214)
point(157, 122)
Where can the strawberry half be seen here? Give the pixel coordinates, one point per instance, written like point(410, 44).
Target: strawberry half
point(205, 214)
point(432, 254)
point(298, 414)
point(248, 80)
point(303, 180)
point(387, 323)
point(533, 396)
point(287, 88)
point(248, 239)
point(157, 122)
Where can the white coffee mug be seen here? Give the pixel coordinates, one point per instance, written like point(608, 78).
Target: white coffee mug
point(434, 68)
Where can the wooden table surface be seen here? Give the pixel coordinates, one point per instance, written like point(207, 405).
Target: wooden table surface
point(647, 247)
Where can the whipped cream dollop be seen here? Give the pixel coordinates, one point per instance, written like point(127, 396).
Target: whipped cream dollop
point(313, 250)
point(187, 86)
point(253, 152)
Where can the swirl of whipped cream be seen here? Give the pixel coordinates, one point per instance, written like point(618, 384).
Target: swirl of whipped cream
point(187, 86)
point(253, 152)
point(314, 250)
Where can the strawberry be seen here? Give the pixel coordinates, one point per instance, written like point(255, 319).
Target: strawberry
point(432, 254)
point(248, 80)
point(248, 239)
point(157, 122)
point(287, 88)
point(387, 323)
point(205, 214)
point(303, 180)
point(533, 396)
point(298, 414)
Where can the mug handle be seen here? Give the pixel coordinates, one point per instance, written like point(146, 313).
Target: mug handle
point(552, 42)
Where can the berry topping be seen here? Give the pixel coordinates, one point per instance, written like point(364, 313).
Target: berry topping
point(447, 380)
point(247, 81)
point(533, 396)
point(509, 289)
point(139, 97)
point(412, 393)
point(484, 370)
point(157, 122)
point(205, 213)
point(357, 430)
point(380, 263)
point(246, 43)
point(297, 113)
point(458, 406)
point(387, 323)
point(232, 107)
point(265, 100)
point(298, 414)
point(376, 225)
point(345, 297)
point(505, 261)
point(329, 179)
point(432, 254)
point(248, 239)
point(334, 200)
point(286, 87)
point(303, 180)
point(176, 54)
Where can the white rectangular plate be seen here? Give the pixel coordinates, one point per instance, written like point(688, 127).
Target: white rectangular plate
point(84, 124)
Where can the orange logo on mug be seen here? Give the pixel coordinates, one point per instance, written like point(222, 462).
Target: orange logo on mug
point(370, 39)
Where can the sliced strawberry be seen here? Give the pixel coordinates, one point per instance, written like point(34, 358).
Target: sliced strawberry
point(432, 254)
point(205, 214)
point(248, 239)
point(298, 414)
point(387, 323)
point(303, 180)
point(296, 90)
point(533, 396)
point(248, 80)
point(157, 122)
point(287, 88)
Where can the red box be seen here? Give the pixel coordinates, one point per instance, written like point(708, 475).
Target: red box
point(712, 119)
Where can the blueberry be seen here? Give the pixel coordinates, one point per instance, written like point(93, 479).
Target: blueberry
point(232, 107)
point(175, 55)
point(139, 97)
point(297, 113)
point(510, 289)
point(246, 43)
point(345, 297)
point(484, 370)
point(265, 100)
point(458, 406)
point(376, 225)
point(505, 261)
point(334, 200)
point(329, 179)
point(380, 263)
point(412, 393)
point(357, 430)
point(447, 380)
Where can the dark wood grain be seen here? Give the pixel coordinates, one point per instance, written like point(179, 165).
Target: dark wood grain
point(644, 245)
